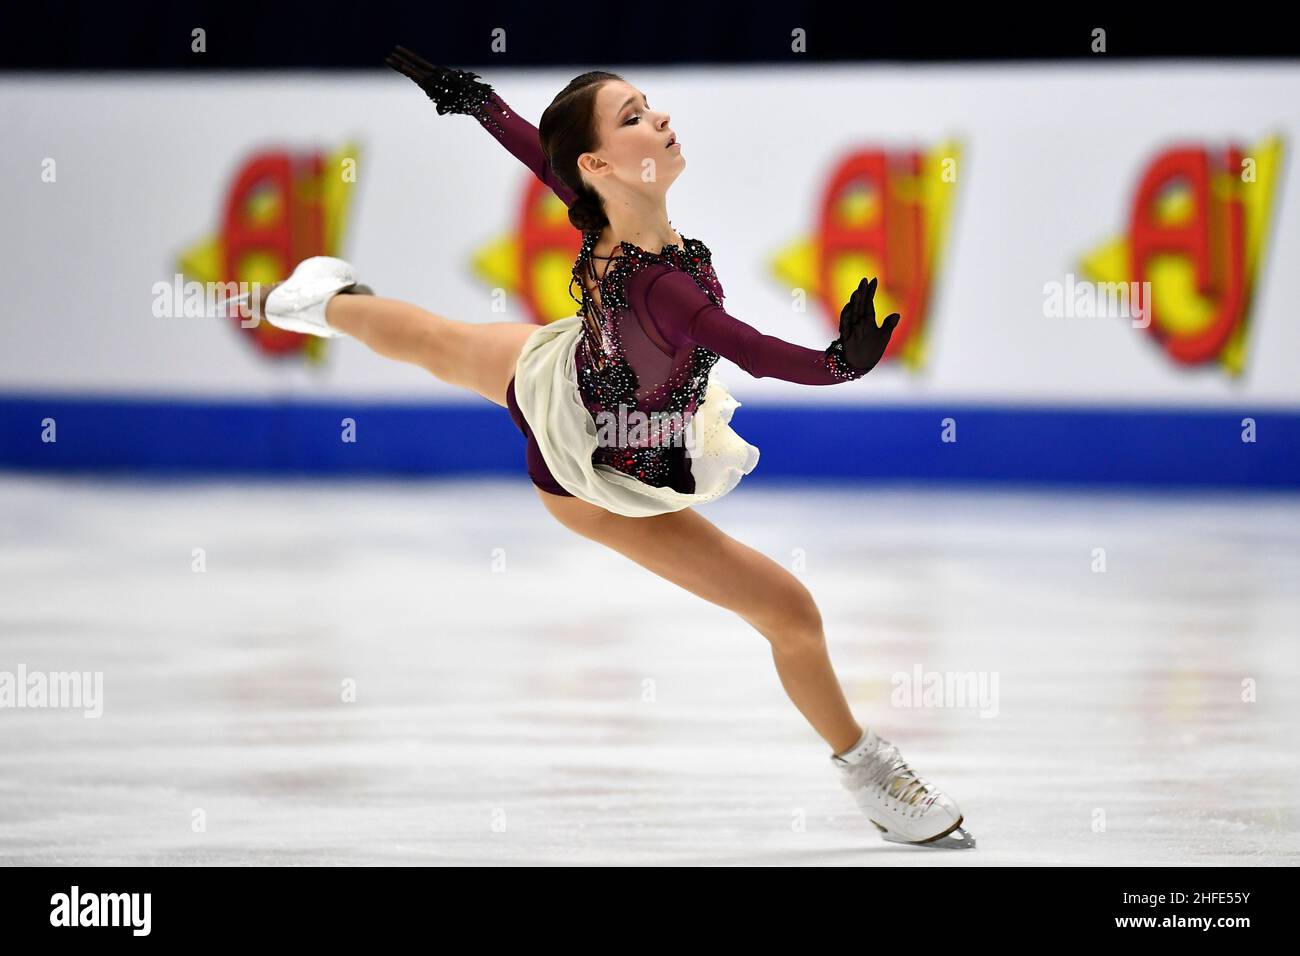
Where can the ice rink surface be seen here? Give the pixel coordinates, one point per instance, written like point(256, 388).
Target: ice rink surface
point(436, 672)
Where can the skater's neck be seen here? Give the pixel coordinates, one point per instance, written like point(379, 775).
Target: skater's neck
point(641, 220)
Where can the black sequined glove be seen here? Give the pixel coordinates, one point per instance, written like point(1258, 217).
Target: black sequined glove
point(861, 341)
point(453, 91)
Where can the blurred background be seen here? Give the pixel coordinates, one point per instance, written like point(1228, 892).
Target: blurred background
point(1073, 476)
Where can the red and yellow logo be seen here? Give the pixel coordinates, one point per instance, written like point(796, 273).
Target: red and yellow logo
point(886, 214)
point(281, 208)
point(1196, 233)
point(535, 259)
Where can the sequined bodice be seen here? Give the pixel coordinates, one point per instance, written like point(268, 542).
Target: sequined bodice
point(623, 367)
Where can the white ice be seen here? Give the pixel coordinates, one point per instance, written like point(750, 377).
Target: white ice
point(513, 705)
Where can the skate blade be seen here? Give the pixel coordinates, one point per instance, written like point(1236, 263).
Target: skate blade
point(232, 308)
point(956, 837)
point(225, 305)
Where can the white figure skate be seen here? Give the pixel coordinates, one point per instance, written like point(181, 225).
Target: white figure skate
point(298, 303)
point(901, 805)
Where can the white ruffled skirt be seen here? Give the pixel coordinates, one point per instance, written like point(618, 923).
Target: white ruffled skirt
point(546, 389)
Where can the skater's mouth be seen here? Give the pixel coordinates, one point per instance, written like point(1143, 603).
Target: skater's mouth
point(672, 141)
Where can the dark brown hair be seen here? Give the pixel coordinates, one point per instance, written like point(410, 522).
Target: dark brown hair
point(567, 130)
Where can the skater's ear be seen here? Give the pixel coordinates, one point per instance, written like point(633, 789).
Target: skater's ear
point(591, 164)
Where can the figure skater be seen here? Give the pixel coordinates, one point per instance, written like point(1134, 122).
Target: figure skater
point(649, 330)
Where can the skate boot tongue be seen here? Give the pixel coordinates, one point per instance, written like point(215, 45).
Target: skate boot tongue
point(884, 766)
point(899, 780)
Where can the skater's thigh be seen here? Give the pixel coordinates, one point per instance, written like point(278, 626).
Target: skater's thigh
point(482, 356)
point(690, 551)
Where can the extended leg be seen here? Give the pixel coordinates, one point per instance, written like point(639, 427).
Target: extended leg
point(315, 300)
point(477, 356)
point(690, 551)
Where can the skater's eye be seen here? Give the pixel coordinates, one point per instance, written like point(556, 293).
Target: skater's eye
point(637, 116)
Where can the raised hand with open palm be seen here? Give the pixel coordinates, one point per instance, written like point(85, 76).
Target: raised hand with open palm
point(863, 341)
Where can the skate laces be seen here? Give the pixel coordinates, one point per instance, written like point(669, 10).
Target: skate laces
point(886, 768)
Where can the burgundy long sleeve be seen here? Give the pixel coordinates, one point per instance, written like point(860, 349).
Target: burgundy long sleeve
point(683, 315)
point(520, 137)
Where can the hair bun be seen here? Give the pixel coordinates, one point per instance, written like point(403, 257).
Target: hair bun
point(586, 213)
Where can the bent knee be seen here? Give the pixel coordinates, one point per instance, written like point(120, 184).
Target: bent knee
point(789, 617)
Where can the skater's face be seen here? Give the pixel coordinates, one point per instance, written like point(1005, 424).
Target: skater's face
point(634, 142)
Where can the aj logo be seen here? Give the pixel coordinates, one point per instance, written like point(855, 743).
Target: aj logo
point(881, 213)
point(1197, 226)
point(280, 208)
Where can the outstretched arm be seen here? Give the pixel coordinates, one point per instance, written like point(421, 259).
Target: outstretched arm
point(684, 315)
point(460, 91)
point(520, 137)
